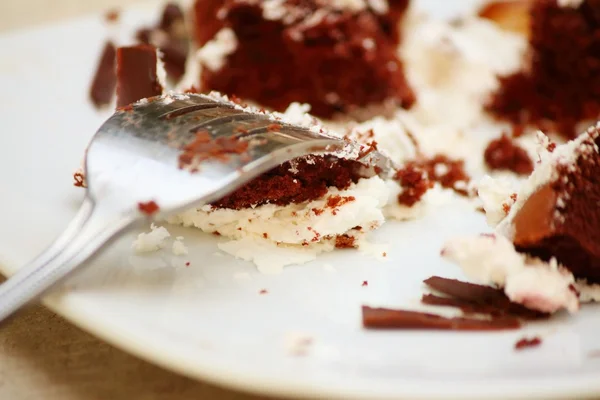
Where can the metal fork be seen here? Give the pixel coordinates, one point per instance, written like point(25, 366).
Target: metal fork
point(133, 158)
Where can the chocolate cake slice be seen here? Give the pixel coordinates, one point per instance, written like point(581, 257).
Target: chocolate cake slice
point(335, 56)
point(556, 214)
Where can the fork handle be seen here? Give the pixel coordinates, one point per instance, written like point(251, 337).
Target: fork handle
point(88, 231)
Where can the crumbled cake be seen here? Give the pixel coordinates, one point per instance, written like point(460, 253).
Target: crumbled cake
point(293, 51)
point(297, 181)
point(504, 154)
point(558, 86)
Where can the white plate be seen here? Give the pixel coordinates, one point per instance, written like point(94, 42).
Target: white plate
point(203, 322)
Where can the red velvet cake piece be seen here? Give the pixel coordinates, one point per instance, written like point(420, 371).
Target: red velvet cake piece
point(556, 214)
point(333, 56)
point(559, 85)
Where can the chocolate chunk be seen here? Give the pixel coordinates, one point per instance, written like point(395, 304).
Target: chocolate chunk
point(137, 74)
point(482, 296)
point(384, 318)
point(105, 79)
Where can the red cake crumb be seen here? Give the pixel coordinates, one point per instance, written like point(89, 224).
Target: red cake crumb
point(345, 242)
point(365, 283)
point(385, 318)
point(137, 76)
point(559, 85)
point(79, 179)
point(280, 186)
point(103, 85)
point(418, 176)
point(187, 264)
point(148, 208)
point(302, 56)
point(504, 154)
point(525, 343)
point(112, 15)
point(204, 147)
point(414, 182)
point(263, 291)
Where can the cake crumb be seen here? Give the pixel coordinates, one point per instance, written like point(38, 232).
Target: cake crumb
point(365, 283)
point(263, 291)
point(148, 208)
point(147, 242)
point(178, 248)
point(504, 154)
point(528, 342)
point(112, 16)
point(79, 178)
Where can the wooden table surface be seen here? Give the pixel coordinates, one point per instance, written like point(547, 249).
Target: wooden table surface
point(44, 357)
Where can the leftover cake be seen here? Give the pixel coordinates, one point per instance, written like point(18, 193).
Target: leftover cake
point(557, 86)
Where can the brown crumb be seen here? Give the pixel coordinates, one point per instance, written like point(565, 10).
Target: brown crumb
point(148, 208)
point(265, 235)
point(505, 154)
point(273, 128)
point(263, 291)
point(79, 178)
point(204, 147)
point(525, 343)
point(112, 15)
point(337, 200)
point(384, 254)
point(414, 182)
point(551, 147)
point(187, 264)
point(345, 242)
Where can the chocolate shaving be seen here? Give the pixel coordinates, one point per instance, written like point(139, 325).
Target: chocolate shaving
point(385, 318)
point(105, 79)
point(482, 295)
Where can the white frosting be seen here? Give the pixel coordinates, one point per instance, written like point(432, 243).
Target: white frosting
point(214, 53)
point(151, 241)
point(492, 259)
point(545, 170)
point(495, 194)
point(178, 248)
point(273, 236)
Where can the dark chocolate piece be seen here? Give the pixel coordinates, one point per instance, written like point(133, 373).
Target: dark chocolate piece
point(481, 295)
point(105, 79)
point(137, 76)
point(384, 318)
